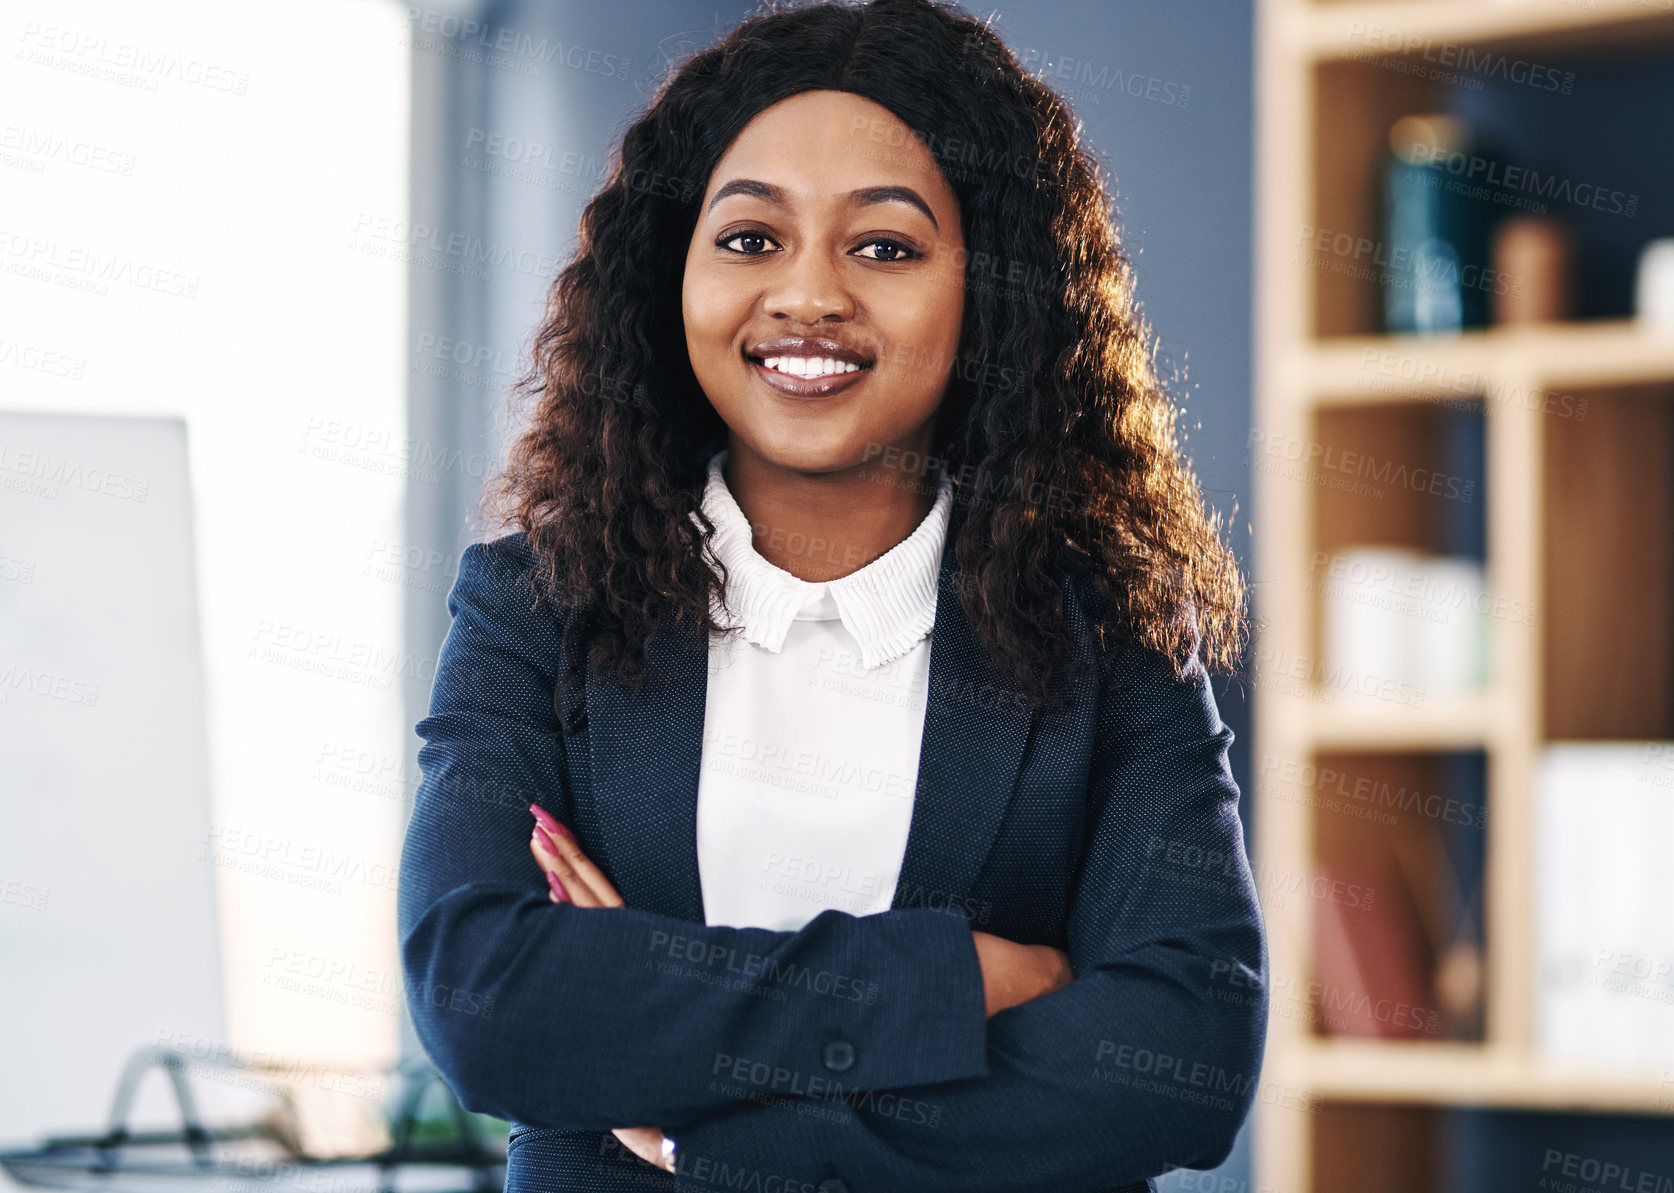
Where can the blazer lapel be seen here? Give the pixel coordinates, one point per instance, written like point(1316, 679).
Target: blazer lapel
point(645, 748)
point(975, 729)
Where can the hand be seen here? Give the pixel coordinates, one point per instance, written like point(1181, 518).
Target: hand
point(1014, 973)
point(573, 878)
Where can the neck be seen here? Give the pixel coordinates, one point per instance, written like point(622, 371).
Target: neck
point(822, 526)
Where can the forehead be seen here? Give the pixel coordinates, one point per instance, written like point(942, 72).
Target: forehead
point(821, 141)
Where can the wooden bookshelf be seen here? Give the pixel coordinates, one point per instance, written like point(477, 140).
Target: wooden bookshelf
point(1578, 420)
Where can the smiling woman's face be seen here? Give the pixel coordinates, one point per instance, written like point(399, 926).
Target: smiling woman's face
point(827, 239)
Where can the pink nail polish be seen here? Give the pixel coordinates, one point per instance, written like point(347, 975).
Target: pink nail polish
point(557, 887)
point(546, 840)
point(547, 820)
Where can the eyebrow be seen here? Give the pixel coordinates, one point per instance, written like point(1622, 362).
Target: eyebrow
point(865, 196)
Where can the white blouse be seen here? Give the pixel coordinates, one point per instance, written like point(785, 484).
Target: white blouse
point(812, 725)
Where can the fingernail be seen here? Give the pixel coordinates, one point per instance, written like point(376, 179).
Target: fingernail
point(563, 830)
point(546, 839)
point(542, 815)
point(557, 887)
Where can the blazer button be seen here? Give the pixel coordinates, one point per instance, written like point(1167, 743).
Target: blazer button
point(839, 1055)
point(833, 1184)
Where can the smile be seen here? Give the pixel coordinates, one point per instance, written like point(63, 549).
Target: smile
point(807, 376)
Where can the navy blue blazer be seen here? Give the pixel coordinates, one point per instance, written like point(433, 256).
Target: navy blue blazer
point(851, 1056)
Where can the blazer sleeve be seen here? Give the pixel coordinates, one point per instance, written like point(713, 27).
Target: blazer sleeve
point(1148, 1060)
point(558, 1016)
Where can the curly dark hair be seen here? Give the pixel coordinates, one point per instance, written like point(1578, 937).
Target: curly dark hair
point(610, 465)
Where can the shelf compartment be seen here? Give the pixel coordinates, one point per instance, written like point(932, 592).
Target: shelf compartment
point(1607, 538)
point(1398, 926)
point(1391, 634)
point(1344, 255)
point(1342, 252)
point(1369, 1148)
point(1378, 1145)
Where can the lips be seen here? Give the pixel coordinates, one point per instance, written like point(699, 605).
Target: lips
point(817, 367)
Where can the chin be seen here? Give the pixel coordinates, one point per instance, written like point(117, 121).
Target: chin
point(798, 452)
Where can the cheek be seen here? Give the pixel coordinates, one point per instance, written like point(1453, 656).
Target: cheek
point(706, 326)
point(932, 317)
point(950, 304)
point(712, 312)
point(920, 347)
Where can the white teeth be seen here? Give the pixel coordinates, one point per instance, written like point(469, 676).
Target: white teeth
point(809, 366)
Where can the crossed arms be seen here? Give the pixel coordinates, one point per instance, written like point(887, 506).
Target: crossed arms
point(583, 1019)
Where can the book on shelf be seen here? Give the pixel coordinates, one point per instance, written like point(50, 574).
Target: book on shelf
point(1405, 616)
point(1605, 915)
point(1371, 963)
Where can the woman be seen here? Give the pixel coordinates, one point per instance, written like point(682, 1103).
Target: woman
point(822, 786)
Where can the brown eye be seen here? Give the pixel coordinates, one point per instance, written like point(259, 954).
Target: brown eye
point(752, 238)
point(901, 251)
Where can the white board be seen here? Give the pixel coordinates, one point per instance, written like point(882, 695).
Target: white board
point(108, 936)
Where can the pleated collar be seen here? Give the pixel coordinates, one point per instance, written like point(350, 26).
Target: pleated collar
point(889, 605)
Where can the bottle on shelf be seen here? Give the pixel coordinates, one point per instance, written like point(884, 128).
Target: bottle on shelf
point(1435, 228)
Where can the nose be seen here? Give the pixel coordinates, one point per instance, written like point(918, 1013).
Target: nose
point(809, 286)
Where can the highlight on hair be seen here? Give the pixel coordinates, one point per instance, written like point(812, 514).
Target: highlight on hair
point(1073, 466)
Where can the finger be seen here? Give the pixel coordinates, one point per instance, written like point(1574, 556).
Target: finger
point(558, 862)
point(576, 891)
point(550, 860)
point(582, 866)
point(556, 891)
point(633, 1138)
point(644, 1142)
